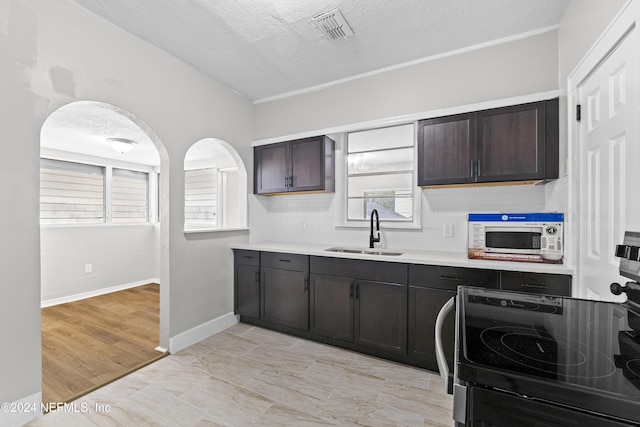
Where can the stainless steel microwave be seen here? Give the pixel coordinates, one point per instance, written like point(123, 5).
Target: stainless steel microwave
point(536, 237)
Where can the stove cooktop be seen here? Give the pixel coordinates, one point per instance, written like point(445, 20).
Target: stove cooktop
point(576, 352)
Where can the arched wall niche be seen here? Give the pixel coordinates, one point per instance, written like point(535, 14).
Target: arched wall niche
point(215, 187)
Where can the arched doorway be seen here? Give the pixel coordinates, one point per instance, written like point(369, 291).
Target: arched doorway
point(104, 209)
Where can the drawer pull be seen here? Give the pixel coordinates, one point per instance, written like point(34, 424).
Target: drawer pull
point(533, 286)
point(453, 279)
point(247, 256)
point(284, 260)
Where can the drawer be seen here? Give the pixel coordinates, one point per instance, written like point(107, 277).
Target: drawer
point(536, 283)
point(242, 257)
point(432, 276)
point(378, 271)
point(284, 261)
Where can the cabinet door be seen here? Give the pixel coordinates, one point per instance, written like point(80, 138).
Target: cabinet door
point(307, 164)
point(511, 143)
point(285, 298)
point(381, 316)
point(247, 291)
point(331, 306)
point(424, 305)
point(447, 150)
point(270, 168)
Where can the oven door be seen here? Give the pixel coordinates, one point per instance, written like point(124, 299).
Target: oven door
point(514, 240)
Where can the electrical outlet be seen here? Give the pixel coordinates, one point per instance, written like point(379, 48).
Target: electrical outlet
point(88, 268)
point(447, 230)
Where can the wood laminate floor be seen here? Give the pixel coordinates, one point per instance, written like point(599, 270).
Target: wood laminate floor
point(89, 343)
point(249, 376)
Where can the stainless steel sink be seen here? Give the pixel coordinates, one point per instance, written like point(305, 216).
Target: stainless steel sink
point(364, 251)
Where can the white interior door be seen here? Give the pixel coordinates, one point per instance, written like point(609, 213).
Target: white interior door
point(609, 181)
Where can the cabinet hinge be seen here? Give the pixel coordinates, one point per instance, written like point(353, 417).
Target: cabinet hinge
point(578, 112)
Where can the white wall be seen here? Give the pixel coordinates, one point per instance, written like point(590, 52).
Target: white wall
point(119, 254)
point(312, 218)
point(515, 68)
point(53, 53)
point(518, 68)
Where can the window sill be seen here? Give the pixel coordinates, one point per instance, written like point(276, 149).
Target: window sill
point(214, 230)
point(139, 224)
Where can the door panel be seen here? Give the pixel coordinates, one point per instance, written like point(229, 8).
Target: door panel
point(608, 172)
point(511, 143)
point(424, 306)
point(446, 148)
point(247, 296)
point(331, 306)
point(307, 161)
point(270, 165)
point(285, 299)
point(381, 316)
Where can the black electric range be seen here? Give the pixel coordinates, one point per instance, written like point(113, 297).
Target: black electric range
point(551, 360)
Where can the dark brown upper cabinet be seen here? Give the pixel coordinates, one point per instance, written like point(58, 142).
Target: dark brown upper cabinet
point(509, 144)
point(301, 165)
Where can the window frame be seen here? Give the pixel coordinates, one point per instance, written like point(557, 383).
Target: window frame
point(342, 186)
point(152, 180)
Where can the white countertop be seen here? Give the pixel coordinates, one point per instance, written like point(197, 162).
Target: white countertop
point(409, 256)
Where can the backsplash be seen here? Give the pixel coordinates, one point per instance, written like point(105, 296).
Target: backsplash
point(312, 218)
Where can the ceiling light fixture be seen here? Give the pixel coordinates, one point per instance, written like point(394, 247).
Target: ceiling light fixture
point(332, 24)
point(122, 145)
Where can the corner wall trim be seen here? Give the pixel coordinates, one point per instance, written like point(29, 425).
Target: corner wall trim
point(26, 409)
point(201, 332)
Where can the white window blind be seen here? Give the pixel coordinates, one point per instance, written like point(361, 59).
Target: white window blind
point(200, 193)
point(129, 196)
point(71, 193)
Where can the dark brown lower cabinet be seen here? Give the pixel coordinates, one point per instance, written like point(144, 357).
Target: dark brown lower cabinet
point(369, 314)
point(386, 309)
point(247, 291)
point(331, 306)
point(285, 298)
point(381, 316)
point(424, 305)
point(247, 283)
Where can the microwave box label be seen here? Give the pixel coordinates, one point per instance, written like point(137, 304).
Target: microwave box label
point(524, 237)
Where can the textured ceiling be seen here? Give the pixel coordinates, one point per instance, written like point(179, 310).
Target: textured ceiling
point(266, 48)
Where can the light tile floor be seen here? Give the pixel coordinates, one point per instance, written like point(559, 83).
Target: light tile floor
point(249, 376)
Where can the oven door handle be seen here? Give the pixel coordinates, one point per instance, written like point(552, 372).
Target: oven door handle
point(441, 358)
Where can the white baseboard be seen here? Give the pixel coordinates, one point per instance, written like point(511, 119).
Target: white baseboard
point(97, 292)
point(21, 411)
point(201, 332)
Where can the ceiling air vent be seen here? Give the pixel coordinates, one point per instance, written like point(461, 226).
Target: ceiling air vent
point(333, 25)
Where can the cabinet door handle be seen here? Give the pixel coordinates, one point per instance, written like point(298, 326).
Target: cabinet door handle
point(286, 181)
point(257, 277)
point(306, 284)
point(357, 291)
point(452, 278)
point(351, 290)
point(291, 181)
point(533, 286)
point(478, 168)
point(472, 169)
